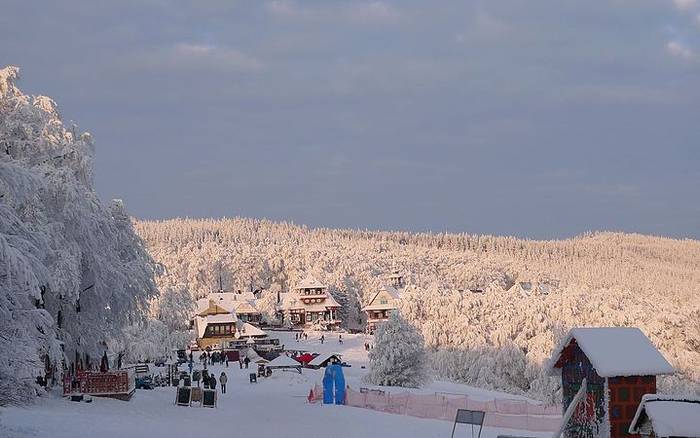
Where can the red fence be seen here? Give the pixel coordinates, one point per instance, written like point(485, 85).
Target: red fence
point(503, 413)
point(98, 383)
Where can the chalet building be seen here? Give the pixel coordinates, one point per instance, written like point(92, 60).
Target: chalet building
point(240, 304)
point(218, 328)
point(667, 417)
point(380, 306)
point(310, 304)
point(619, 365)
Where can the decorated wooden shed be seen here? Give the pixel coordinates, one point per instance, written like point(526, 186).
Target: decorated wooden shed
point(620, 366)
point(667, 416)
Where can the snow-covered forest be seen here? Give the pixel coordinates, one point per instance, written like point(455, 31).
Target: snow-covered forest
point(73, 273)
point(489, 308)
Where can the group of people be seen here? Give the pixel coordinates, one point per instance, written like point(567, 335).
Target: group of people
point(368, 346)
point(305, 336)
point(212, 358)
point(209, 381)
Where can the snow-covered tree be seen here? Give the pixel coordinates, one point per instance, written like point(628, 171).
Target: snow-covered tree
point(72, 271)
point(398, 357)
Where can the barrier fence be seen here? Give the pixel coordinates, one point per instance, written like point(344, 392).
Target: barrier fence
point(99, 383)
point(503, 413)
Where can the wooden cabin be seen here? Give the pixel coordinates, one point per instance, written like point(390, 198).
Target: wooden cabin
point(380, 306)
point(620, 366)
point(310, 304)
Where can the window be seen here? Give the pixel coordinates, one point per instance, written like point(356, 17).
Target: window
point(383, 301)
point(616, 411)
point(623, 394)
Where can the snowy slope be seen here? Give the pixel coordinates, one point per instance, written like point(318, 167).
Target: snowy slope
point(275, 407)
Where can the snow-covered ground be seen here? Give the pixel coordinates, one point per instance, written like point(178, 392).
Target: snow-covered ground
point(275, 407)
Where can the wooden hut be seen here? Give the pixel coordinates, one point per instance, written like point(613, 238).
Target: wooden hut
point(620, 366)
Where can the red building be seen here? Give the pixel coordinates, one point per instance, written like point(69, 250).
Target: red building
point(620, 366)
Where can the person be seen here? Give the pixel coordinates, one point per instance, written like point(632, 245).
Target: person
point(223, 379)
point(296, 337)
point(240, 362)
point(306, 336)
point(205, 380)
point(226, 360)
point(247, 361)
point(191, 358)
point(212, 382)
point(340, 339)
point(190, 365)
point(323, 337)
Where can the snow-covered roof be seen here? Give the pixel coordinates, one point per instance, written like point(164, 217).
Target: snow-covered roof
point(293, 300)
point(245, 307)
point(330, 301)
point(247, 329)
point(318, 360)
point(201, 322)
point(283, 361)
point(242, 303)
point(615, 351)
point(393, 293)
point(290, 300)
point(310, 283)
point(670, 416)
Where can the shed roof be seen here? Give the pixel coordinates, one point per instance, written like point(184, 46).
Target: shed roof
point(318, 360)
point(615, 351)
point(283, 361)
point(670, 416)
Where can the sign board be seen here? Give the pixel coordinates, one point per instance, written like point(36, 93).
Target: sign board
point(209, 399)
point(184, 395)
point(465, 416)
point(196, 395)
point(473, 418)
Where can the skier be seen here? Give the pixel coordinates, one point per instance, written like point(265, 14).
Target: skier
point(246, 361)
point(223, 379)
point(340, 339)
point(323, 338)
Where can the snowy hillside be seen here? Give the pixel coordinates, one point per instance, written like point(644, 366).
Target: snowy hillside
point(533, 291)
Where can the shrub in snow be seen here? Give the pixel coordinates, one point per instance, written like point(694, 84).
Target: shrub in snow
point(398, 357)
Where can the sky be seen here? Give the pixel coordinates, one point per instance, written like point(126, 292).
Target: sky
point(540, 119)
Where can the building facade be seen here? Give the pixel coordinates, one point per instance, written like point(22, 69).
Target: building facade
point(310, 305)
point(380, 306)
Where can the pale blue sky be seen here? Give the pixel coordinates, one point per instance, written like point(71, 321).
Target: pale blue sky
point(533, 118)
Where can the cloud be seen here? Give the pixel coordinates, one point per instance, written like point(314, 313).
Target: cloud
point(375, 12)
point(221, 56)
point(685, 5)
point(363, 13)
point(680, 50)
